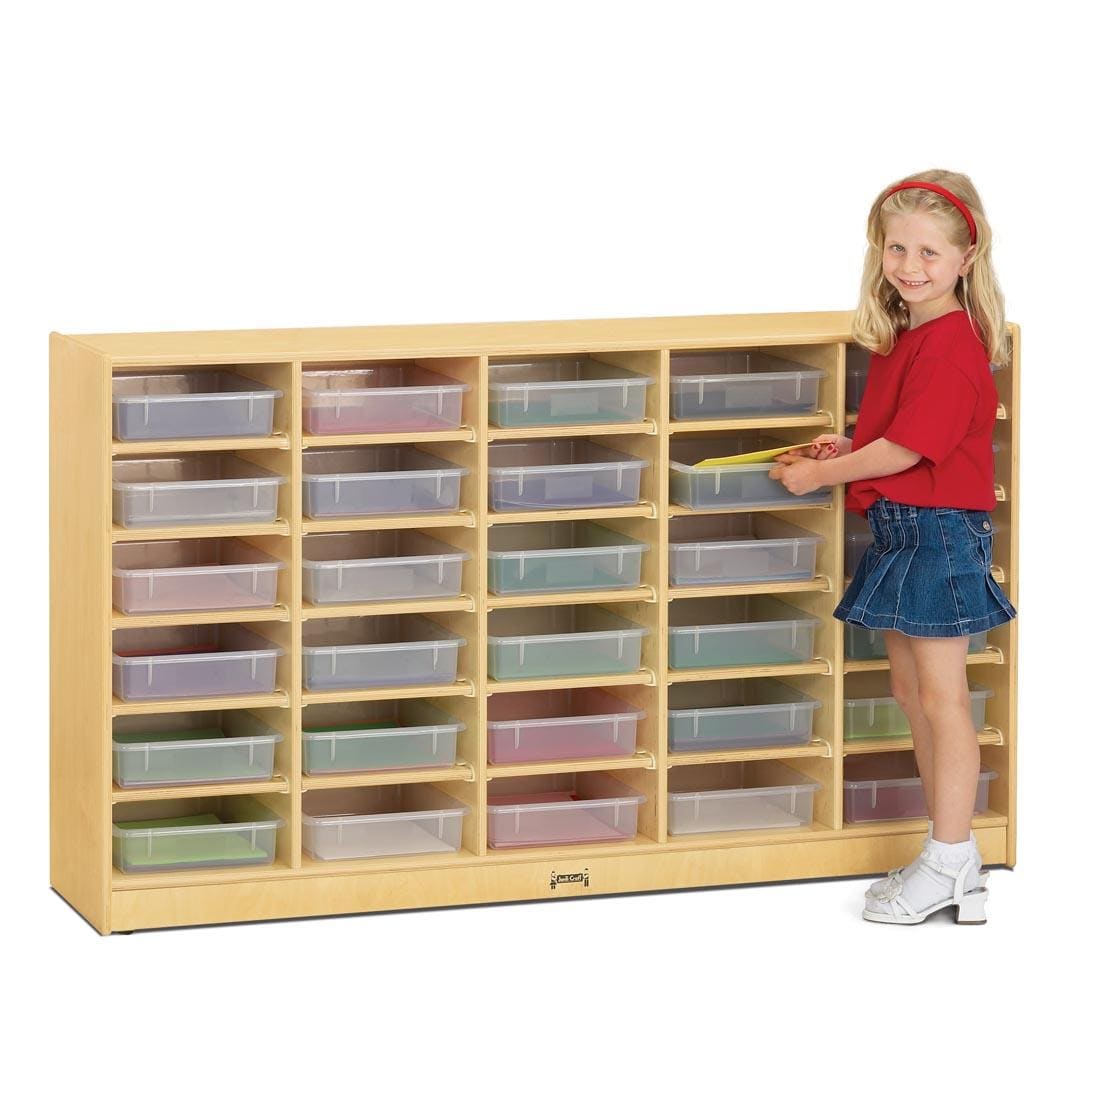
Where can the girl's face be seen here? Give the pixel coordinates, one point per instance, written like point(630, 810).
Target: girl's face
point(923, 264)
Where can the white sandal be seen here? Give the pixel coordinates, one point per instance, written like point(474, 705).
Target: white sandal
point(969, 905)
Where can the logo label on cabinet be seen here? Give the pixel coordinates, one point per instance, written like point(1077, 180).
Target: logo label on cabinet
point(558, 879)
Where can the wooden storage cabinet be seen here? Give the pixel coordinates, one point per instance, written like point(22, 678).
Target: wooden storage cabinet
point(85, 801)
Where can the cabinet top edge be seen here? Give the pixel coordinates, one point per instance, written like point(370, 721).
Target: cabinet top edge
point(467, 339)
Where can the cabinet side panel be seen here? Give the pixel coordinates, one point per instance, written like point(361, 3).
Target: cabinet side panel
point(80, 628)
point(1014, 594)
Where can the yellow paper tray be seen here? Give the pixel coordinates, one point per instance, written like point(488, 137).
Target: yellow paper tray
point(753, 456)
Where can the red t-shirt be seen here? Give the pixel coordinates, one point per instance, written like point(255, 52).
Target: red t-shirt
point(933, 394)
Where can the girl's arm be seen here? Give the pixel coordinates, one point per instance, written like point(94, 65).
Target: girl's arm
point(878, 459)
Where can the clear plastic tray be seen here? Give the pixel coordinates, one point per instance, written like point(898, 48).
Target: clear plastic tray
point(200, 404)
point(381, 397)
point(526, 642)
point(739, 548)
point(560, 725)
point(861, 644)
point(375, 566)
point(378, 651)
point(747, 486)
point(857, 364)
point(873, 712)
point(185, 662)
point(561, 473)
point(241, 833)
point(367, 822)
point(568, 390)
point(738, 714)
point(709, 385)
point(726, 631)
point(714, 798)
point(566, 556)
point(377, 736)
point(192, 575)
point(192, 488)
point(370, 481)
point(857, 538)
point(886, 786)
point(166, 750)
point(584, 808)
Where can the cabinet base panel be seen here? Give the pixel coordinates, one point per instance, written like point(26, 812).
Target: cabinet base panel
point(542, 879)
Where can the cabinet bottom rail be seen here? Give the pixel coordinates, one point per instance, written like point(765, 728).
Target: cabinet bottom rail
point(465, 879)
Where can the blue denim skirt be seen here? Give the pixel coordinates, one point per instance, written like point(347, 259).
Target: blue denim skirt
point(926, 574)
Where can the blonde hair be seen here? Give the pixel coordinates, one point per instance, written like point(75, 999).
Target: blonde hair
point(882, 314)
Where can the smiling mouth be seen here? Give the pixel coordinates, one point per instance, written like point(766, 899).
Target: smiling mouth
point(912, 286)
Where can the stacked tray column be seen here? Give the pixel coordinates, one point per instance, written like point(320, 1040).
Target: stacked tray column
point(271, 457)
point(579, 606)
point(813, 674)
point(875, 737)
point(386, 816)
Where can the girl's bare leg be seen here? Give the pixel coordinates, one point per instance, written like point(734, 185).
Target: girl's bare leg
point(945, 699)
point(904, 686)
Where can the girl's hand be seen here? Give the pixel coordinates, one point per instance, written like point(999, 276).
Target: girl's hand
point(826, 446)
point(799, 475)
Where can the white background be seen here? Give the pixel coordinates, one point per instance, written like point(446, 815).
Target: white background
point(232, 165)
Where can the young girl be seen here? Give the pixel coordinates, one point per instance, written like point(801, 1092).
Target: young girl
point(920, 467)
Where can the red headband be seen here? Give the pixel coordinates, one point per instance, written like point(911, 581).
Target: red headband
point(920, 186)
